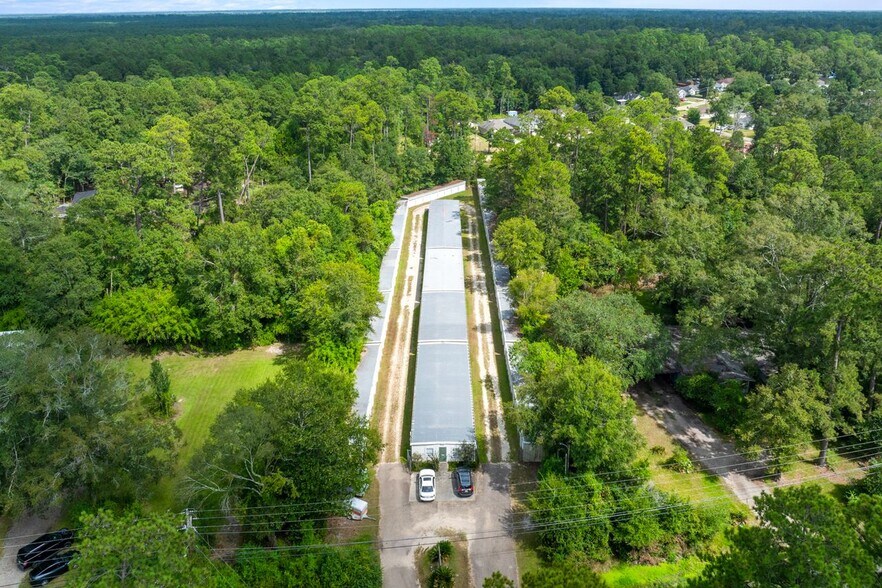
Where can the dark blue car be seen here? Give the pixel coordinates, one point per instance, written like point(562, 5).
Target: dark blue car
point(49, 569)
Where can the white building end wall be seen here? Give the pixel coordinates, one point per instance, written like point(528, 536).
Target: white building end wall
point(430, 194)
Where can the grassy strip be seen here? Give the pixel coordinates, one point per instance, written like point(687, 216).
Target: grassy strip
point(474, 368)
point(203, 385)
point(663, 574)
point(496, 327)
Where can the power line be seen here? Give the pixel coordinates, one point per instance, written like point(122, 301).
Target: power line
point(575, 482)
point(502, 532)
point(740, 453)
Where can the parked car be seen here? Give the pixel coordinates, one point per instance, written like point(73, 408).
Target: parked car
point(464, 485)
point(47, 570)
point(43, 547)
point(426, 482)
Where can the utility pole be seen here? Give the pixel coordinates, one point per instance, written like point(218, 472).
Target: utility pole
point(566, 459)
point(188, 524)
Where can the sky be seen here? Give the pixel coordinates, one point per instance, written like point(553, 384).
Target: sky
point(10, 7)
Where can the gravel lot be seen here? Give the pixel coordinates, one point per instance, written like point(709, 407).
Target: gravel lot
point(23, 531)
point(406, 524)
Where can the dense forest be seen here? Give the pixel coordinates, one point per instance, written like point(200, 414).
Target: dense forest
point(245, 170)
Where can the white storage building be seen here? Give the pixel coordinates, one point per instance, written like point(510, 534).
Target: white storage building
point(443, 416)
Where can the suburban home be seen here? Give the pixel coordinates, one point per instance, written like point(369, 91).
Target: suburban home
point(688, 88)
point(489, 127)
point(522, 124)
point(723, 83)
point(623, 99)
point(742, 120)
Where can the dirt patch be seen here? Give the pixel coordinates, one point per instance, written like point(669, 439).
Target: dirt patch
point(482, 327)
point(24, 530)
point(392, 389)
point(703, 443)
point(276, 349)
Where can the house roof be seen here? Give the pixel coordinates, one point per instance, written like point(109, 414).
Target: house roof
point(725, 80)
point(82, 196)
point(442, 396)
point(493, 125)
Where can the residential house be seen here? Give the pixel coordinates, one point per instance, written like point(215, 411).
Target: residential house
point(522, 124)
point(623, 99)
point(688, 88)
point(742, 120)
point(723, 83)
point(489, 127)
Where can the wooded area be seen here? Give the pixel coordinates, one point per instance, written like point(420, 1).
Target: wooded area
point(245, 170)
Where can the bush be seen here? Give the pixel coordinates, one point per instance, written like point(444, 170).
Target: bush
point(146, 315)
point(422, 463)
point(872, 483)
point(723, 400)
point(440, 552)
point(466, 455)
point(680, 461)
point(160, 383)
point(442, 577)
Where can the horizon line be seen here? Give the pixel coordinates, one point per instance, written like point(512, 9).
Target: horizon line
point(439, 9)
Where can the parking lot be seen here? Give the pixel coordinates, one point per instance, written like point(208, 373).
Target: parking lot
point(407, 524)
point(444, 487)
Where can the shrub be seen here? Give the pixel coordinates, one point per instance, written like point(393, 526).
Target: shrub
point(422, 463)
point(466, 455)
point(163, 399)
point(723, 400)
point(442, 577)
point(146, 315)
point(440, 552)
point(872, 483)
point(680, 461)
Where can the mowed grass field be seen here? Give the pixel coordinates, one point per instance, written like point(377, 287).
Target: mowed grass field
point(203, 385)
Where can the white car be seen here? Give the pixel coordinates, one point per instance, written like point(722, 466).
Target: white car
point(426, 483)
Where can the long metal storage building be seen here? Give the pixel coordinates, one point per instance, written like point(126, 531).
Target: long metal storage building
point(443, 416)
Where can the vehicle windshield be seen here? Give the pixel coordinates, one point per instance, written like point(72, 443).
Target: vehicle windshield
point(466, 478)
point(427, 484)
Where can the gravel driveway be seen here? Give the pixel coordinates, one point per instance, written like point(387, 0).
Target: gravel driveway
point(23, 531)
point(701, 441)
point(406, 524)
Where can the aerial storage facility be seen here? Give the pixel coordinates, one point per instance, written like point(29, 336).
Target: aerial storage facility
point(443, 417)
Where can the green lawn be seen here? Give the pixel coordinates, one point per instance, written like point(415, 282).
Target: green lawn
point(633, 575)
point(696, 486)
point(203, 385)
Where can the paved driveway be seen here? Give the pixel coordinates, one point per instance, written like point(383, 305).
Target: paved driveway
point(406, 524)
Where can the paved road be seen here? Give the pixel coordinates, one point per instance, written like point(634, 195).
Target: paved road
point(701, 441)
point(406, 524)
